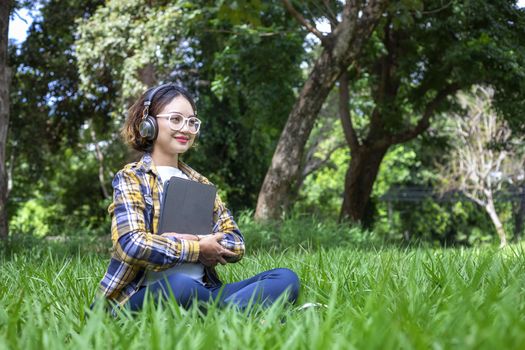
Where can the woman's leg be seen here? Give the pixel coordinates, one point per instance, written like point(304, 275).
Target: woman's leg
point(185, 290)
point(263, 288)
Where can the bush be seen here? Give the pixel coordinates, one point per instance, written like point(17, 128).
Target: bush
point(302, 230)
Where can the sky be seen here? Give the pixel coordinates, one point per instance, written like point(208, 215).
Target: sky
point(19, 24)
point(18, 28)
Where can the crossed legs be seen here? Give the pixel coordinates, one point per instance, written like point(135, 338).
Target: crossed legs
point(263, 288)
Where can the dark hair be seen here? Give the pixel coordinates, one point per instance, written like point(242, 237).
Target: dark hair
point(130, 130)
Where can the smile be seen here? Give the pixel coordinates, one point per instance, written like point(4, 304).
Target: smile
point(182, 139)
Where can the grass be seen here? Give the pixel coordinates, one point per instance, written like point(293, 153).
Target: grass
point(385, 298)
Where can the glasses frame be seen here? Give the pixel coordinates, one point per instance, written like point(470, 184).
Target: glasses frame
point(185, 121)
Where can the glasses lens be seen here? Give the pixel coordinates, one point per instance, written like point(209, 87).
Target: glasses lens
point(194, 125)
point(176, 121)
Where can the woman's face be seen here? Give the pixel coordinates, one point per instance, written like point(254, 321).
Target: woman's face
point(170, 142)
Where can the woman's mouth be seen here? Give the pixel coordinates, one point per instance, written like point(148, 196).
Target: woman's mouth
point(182, 139)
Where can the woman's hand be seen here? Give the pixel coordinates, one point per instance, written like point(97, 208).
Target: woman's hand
point(211, 252)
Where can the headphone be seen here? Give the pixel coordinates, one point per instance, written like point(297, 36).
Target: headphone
point(148, 127)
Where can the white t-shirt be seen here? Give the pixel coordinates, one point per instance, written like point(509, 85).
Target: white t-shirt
point(193, 270)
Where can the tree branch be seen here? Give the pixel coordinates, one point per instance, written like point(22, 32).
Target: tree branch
point(319, 163)
point(311, 28)
point(474, 199)
point(323, 131)
point(424, 122)
point(344, 113)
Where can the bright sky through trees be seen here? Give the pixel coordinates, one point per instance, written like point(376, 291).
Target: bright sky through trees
point(19, 24)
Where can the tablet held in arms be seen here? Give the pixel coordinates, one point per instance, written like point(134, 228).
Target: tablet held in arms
point(187, 207)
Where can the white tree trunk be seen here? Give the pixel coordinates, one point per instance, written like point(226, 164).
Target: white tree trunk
point(491, 210)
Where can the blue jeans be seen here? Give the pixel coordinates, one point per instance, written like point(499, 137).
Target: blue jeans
point(263, 288)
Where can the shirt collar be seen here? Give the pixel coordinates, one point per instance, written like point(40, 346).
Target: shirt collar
point(146, 163)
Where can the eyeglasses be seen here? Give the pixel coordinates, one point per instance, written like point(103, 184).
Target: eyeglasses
point(177, 122)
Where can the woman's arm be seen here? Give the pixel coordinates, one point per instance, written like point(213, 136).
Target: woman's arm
point(132, 243)
point(233, 238)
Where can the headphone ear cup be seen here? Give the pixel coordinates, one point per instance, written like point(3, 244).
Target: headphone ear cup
point(148, 128)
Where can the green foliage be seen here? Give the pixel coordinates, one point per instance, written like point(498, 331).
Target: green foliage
point(302, 230)
point(387, 298)
point(396, 168)
point(424, 49)
point(33, 218)
point(65, 203)
point(321, 193)
point(124, 37)
point(446, 223)
point(411, 164)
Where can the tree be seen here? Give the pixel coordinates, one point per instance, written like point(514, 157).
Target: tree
point(340, 49)
point(421, 54)
point(5, 81)
point(485, 154)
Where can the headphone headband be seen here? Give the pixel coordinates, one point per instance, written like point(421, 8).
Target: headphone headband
point(150, 96)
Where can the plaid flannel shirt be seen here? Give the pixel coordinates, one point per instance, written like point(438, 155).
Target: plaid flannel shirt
point(136, 245)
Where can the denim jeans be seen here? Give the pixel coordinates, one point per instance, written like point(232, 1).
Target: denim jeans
point(263, 288)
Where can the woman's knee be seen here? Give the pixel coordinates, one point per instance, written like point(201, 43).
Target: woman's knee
point(290, 281)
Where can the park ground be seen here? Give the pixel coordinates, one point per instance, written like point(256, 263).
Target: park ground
point(376, 297)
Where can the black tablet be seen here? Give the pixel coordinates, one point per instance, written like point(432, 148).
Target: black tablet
point(187, 207)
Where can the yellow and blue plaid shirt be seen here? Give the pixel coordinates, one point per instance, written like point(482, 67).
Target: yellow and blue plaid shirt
point(137, 247)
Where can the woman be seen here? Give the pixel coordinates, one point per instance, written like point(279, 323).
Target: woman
point(163, 125)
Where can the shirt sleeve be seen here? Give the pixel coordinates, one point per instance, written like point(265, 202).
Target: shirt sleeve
point(132, 243)
point(223, 222)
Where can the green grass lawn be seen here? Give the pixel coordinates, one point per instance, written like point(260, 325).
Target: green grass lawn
point(386, 298)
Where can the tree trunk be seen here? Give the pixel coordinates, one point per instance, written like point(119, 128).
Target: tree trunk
point(359, 181)
point(339, 51)
point(491, 210)
point(5, 80)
